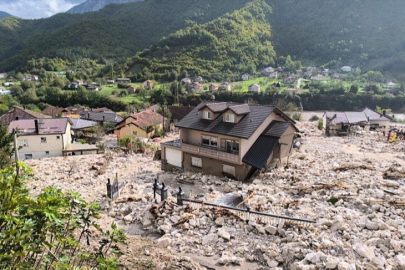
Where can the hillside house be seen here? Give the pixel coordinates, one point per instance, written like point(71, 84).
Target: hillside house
point(93, 88)
point(267, 71)
point(229, 139)
point(318, 78)
point(148, 84)
point(391, 85)
point(8, 83)
point(124, 80)
point(3, 91)
point(340, 123)
point(110, 81)
point(226, 86)
point(273, 75)
point(198, 79)
point(3, 75)
point(245, 77)
point(140, 124)
point(254, 88)
point(18, 113)
point(346, 69)
point(177, 114)
point(213, 87)
point(185, 81)
point(196, 87)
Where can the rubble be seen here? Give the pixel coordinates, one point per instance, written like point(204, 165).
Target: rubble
point(353, 187)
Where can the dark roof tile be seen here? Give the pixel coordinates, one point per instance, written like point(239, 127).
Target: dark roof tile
point(260, 151)
point(46, 126)
point(276, 129)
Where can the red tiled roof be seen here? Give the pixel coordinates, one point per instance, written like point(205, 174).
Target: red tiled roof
point(21, 113)
point(46, 126)
point(53, 111)
point(147, 118)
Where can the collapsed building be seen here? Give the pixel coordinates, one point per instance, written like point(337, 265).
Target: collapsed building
point(341, 123)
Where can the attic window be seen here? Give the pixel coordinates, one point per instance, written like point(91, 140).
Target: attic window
point(230, 118)
point(207, 115)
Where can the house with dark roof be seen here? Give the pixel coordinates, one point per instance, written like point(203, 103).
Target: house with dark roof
point(177, 114)
point(18, 113)
point(39, 138)
point(102, 117)
point(340, 123)
point(230, 139)
point(142, 124)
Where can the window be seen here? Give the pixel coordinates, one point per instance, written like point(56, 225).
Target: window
point(207, 115)
point(28, 156)
point(232, 146)
point(196, 162)
point(58, 137)
point(47, 153)
point(23, 143)
point(228, 169)
point(43, 139)
point(209, 141)
point(229, 117)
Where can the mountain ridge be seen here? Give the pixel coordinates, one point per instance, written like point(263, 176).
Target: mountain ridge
point(96, 5)
point(4, 14)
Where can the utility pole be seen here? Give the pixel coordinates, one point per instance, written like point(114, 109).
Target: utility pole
point(16, 157)
point(163, 112)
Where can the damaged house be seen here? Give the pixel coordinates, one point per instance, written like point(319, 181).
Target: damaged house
point(340, 123)
point(230, 139)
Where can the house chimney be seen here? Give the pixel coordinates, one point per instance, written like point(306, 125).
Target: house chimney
point(88, 115)
point(384, 112)
point(36, 126)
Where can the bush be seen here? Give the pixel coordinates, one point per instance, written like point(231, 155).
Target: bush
point(320, 124)
point(314, 118)
point(82, 141)
point(297, 117)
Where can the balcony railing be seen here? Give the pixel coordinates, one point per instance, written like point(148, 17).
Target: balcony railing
point(210, 152)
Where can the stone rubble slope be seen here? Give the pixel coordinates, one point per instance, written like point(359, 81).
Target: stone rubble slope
point(353, 187)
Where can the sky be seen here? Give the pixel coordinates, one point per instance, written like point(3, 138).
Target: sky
point(35, 9)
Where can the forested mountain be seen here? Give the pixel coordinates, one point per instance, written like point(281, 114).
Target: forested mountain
point(367, 34)
point(4, 15)
point(95, 5)
point(237, 42)
point(115, 31)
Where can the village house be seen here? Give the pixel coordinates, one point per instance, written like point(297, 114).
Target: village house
point(4, 91)
point(8, 83)
point(226, 86)
point(177, 114)
point(131, 89)
point(229, 139)
point(39, 138)
point(3, 75)
point(148, 84)
point(93, 88)
point(102, 117)
point(198, 79)
point(391, 85)
point(185, 81)
point(17, 113)
point(54, 111)
point(318, 78)
point(245, 77)
point(346, 69)
point(254, 88)
point(289, 79)
point(340, 123)
point(213, 87)
point(267, 71)
point(273, 75)
point(110, 81)
point(79, 124)
point(142, 124)
point(196, 87)
point(124, 80)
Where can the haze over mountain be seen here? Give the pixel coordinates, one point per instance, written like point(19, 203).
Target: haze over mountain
point(4, 15)
point(95, 5)
point(368, 34)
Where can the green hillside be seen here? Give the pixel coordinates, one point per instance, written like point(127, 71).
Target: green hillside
point(237, 42)
point(369, 34)
point(115, 31)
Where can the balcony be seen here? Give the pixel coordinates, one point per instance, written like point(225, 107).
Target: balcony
point(210, 152)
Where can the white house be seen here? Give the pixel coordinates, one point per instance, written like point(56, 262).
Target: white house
point(226, 86)
point(4, 92)
point(346, 69)
point(391, 85)
point(245, 77)
point(198, 79)
point(254, 88)
point(39, 138)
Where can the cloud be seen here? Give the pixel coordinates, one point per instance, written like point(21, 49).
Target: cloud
point(34, 9)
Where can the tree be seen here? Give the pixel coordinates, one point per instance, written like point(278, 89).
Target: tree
point(354, 89)
point(6, 148)
point(52, 230)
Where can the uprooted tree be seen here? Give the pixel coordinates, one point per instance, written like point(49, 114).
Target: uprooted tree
point(53, 230)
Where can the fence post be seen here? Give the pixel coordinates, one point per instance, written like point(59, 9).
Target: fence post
point(163, 192)
point(247, 214)
point(179, 197)
point(155, 187)
point(109, 188)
